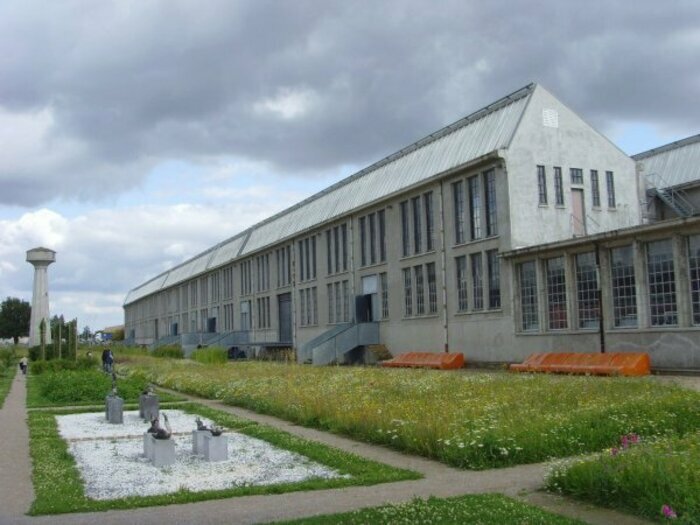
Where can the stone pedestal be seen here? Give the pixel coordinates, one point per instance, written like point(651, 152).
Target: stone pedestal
point(215, 447)
point(148, 445)
point(198, 441)
point(162, 451)
point(148, 407)
point(114, 410)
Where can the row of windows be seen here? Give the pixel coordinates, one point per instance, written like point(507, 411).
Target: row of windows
point(474, 280)
point(339, 302)
point(262, 265)
point(337, 249)
point(417, 225)
point(308, 306)
point(372, 238)
point(661, 288)
point(475, 185)
point(576, 178)
point(284, 266)
point(263, 320)
point(228, 282)
point(307, 258)
point(414, 281)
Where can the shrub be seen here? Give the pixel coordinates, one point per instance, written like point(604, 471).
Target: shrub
point(56, 365)
point(214, 354)
point(7, 357)
point(82, 386)
point(171, 351)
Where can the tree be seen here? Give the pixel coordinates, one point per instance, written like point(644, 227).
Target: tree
point(14, 318)
point(87, 334)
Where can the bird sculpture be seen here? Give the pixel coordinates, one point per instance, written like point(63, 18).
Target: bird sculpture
point(158, 431)
point(214, 429)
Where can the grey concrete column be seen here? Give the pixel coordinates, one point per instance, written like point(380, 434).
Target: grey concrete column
point(40, 258)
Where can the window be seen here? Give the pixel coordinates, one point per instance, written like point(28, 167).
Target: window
point(420, 297)
point(245, 315)
point(432, 288)
point(384, 283)
point(307, 258)
point(284, 266)
point(336, 250)
point(429, 223)
point(263, 304)
point(474, 207)
point(228, 282)
point(372, 238)
point(527, 273)
point(694, 269)
point(662, 283)
point(346, 301)
point(587, 291)
point(558, 186)
point(416, 208)
point(382, 235)
point(405, 240)
point(338, 302)
point(494, 269)
point(576, 175)
point(595, 188)
point(458, 198)
point(308, 307)
point(331, 303)
point(623, 286)
point(490, 202)
point(477, 281)
point(214, 287)
point(247, 277)
point(407, 293)
point(461, 266)
point(203, 291)
point(262, 263)
point(542, 185)
point(556, 294)
point(610, 181)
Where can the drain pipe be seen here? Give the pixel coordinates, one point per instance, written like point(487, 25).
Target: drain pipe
point(443, 269)
point(601, 316)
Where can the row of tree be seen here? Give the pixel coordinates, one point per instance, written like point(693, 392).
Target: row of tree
point(15, 316)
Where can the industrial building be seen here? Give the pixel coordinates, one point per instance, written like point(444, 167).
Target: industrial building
point(518, 228)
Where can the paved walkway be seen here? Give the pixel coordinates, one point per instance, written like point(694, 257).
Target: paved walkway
point(439, 480)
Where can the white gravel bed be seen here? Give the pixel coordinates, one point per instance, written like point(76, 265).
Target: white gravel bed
point(114, 467)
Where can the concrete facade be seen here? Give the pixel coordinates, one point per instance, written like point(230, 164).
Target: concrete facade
point(432, 272)
point(40, 258)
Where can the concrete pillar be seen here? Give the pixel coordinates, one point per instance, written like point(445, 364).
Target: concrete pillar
point(40, 258)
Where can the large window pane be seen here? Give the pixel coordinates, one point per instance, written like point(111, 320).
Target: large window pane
point(587, 291)
point(556, 294)
point(494, 269)
point(477, 281)
point(623, 286)
point(461, 265)
point(458, 199)
point(527, 273)
point(662, 283)
point(694, 270)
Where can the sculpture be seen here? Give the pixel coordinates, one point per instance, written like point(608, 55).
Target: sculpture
point(214, 429)
point(158, 431)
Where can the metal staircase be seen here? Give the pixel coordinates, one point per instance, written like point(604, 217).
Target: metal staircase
point(335, 345)
point(676, 199)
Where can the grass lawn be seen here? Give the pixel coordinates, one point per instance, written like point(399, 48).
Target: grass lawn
point(485, 509)
point(470, 420)
point(59, 489)
point(82, 387)
point(7, 375)
point(641, 478)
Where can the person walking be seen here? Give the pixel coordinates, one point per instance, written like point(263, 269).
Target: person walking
point(109, 361)
point(23, 364)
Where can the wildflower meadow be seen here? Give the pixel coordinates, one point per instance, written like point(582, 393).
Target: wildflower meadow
point(469, 420)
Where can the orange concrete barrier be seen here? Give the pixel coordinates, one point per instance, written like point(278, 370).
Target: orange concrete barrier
point(440, 360)
point(613, 363)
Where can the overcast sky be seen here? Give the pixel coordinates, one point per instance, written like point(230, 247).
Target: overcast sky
point(136, 134)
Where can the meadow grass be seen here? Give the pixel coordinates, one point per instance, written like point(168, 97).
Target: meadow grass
point(7, 375)
point(484, 509)
point(59, 489)
point(82, 387)
point(642, 478)
point(471, 420)
point(210, 355)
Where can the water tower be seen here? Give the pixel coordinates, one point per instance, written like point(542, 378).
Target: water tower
point(40, 258)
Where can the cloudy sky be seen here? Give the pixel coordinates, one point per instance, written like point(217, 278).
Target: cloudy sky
point(136, 134)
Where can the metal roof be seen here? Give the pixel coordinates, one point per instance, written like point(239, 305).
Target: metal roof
point(673, 164)
point(489, 129)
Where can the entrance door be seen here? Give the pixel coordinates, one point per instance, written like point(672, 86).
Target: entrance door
point(578, 215)
point(284, 303)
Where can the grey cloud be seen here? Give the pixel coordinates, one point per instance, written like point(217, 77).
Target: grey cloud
point(135, 83)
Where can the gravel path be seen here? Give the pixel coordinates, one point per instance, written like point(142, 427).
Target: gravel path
point(439, 480)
